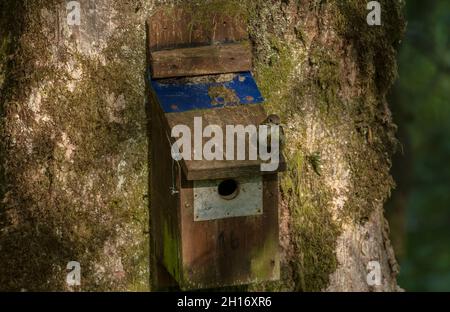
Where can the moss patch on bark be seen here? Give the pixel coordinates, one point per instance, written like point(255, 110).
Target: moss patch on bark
point(75, 158)
point(74, 141)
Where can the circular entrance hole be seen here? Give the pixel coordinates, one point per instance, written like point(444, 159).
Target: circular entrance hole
point(228, 189)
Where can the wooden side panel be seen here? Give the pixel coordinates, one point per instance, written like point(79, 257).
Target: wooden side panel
point(170, 28)
point(231, 251)
point(164, 210)
point(205, 60)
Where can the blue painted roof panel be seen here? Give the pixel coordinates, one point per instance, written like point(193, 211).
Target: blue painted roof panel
point(177, 97)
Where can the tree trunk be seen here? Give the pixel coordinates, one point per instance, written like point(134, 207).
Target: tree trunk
point(74, 178)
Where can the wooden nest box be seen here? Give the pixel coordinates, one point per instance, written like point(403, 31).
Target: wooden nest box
point(214, 223)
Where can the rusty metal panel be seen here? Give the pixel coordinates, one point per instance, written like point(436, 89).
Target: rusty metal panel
point(211, 203)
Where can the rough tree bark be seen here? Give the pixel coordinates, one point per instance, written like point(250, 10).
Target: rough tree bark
point(74, 177)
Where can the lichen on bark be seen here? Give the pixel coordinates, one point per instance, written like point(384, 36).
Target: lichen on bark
point(327, 73)
point(76, 152)
point(74, 140)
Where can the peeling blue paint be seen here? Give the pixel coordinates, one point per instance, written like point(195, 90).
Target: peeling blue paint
point(177, 97)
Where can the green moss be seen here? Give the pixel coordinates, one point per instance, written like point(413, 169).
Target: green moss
point(80, 197)
point(325, 81)
point(262, 260)
point(136, 257)
point(171, 255)
point(369, 168)
point(374, 140)
point(315, 231)
point(274, 77)
point(87, 205)
point(374, 45)
point(5, 42)
point(315, 162)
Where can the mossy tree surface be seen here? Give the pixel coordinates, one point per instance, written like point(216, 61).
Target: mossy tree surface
point(74, 140)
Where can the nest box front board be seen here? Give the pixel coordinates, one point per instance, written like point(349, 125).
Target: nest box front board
point(214, 223)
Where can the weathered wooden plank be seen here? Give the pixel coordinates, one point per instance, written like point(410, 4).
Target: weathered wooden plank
point(164, 208)
point(220, 169)
point(205, 60)
point(170, 28)
point(230, 251)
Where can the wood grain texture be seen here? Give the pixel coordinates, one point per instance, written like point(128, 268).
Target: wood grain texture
point(218, 253)
point(232, 251)
point(205, 60)
point(164, 207)
point(221, 169)
point(170, 28)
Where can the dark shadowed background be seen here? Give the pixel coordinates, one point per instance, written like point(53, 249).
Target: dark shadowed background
point(419, 210)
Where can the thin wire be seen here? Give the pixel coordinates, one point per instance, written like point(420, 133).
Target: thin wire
point(173, 189)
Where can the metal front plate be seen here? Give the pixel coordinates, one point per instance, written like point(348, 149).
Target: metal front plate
point(209, 205)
